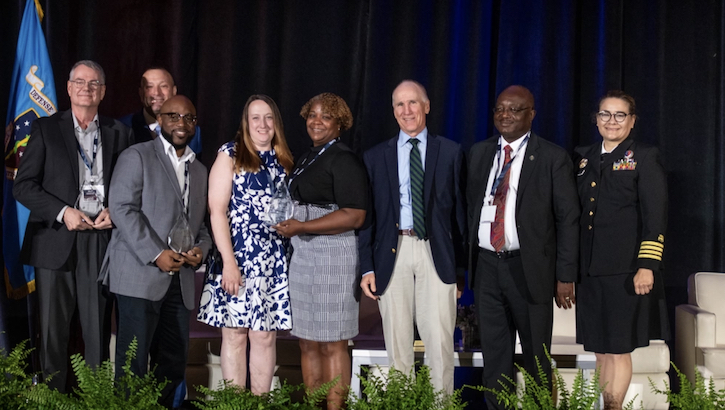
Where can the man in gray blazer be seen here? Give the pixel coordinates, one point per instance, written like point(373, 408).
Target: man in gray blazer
point(155, 184)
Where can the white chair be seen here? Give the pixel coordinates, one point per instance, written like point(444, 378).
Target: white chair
point(649, 362)
point(700, 328)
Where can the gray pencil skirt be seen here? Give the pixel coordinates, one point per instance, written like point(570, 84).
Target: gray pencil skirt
point(322, 282)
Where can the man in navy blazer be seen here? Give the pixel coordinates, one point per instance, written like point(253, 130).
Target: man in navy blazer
point(524, 242)
point(413, 275)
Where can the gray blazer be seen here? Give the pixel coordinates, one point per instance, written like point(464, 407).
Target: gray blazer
point(144, 201)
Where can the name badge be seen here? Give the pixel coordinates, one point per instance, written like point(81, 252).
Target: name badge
point(488, 213)
point(90, 199)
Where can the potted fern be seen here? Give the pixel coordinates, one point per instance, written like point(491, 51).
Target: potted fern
point(229, 396)
point(701, 396)
point(584, 394)
point(16, 382)
point(98, 389)
point(399, 391)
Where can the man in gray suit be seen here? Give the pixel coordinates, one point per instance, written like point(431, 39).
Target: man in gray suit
point(155, 184)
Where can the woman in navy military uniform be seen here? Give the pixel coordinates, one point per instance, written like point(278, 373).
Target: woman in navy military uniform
point(620, 298)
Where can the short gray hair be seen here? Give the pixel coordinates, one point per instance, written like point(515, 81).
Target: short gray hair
point(90, 64)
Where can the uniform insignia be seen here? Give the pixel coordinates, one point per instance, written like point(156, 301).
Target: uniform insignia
point(625, 164)
point(651, 250)
point(661, 238)
point(583, 163)
point(629, 154)
point(531, 158)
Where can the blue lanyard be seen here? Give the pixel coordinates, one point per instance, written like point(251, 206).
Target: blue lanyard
point(89, 164)
point(304, 165)
point(506, 167)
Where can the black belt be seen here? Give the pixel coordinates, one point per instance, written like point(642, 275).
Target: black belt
point(502, 254)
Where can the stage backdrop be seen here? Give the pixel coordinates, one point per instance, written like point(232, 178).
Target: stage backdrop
point(669, 55)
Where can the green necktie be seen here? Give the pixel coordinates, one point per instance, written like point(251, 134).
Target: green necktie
point(416, 190)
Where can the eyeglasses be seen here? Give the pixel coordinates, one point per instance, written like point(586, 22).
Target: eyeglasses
point(513, 111)
point(619, 116)
point(93, 84)
point(175, 117)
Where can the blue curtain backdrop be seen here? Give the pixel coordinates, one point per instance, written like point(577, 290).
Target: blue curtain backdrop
point(669, 55)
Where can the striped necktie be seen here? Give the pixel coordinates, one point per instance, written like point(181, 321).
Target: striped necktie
point(416, 190)
point(498, 233)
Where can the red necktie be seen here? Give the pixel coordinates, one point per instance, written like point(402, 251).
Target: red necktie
point(498, 236)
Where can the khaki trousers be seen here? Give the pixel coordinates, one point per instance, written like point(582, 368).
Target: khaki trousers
point(415, 292)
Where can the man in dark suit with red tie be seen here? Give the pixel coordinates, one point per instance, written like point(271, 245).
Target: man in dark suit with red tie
point(523, 214)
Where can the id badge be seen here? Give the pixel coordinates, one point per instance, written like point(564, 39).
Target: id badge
point(488, 213)
point(90, 199)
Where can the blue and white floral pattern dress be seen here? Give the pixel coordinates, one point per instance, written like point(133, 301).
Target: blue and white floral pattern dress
point(261, 254)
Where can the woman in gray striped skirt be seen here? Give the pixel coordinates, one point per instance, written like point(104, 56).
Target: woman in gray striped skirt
point(330, 186)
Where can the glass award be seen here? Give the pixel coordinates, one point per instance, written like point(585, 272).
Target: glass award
point(90, 199)
point(180, 238)
point(280, 205)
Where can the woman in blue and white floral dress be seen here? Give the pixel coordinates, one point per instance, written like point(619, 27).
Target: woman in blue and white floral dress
point(250, 299)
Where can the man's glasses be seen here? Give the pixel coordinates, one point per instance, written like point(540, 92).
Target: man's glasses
point(175, 117)
point(80, 84)
point(513, 111)
point(619, 116)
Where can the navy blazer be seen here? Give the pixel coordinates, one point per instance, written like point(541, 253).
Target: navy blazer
point(444, 205)
point(48, 180)
point(547, 213)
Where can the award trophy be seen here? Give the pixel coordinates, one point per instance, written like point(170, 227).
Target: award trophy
point(280, 206)
point(180, 238)
point(90, 199)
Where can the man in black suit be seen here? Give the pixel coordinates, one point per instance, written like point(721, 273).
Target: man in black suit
point(523, 217)
point(62, 179)
point(157, 86)
point(412, 253)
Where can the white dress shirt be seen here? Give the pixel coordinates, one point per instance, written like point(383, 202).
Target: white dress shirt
point(178, 164)
point(518, 152)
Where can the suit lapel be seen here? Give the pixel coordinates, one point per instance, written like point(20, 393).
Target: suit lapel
point(483, 172)
point(431, 160)
point(391, 163)
point(71, 144)
point(528, 167)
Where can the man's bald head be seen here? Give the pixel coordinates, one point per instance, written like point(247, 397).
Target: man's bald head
point(177, 119)
point(157, 86)
point(514, 112)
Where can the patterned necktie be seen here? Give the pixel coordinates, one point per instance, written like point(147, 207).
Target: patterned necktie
point(498, 236)
point(416, 189)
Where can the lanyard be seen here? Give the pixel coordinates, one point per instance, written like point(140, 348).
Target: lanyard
point(303, 166)
point(506, 167)
point(89, 164)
